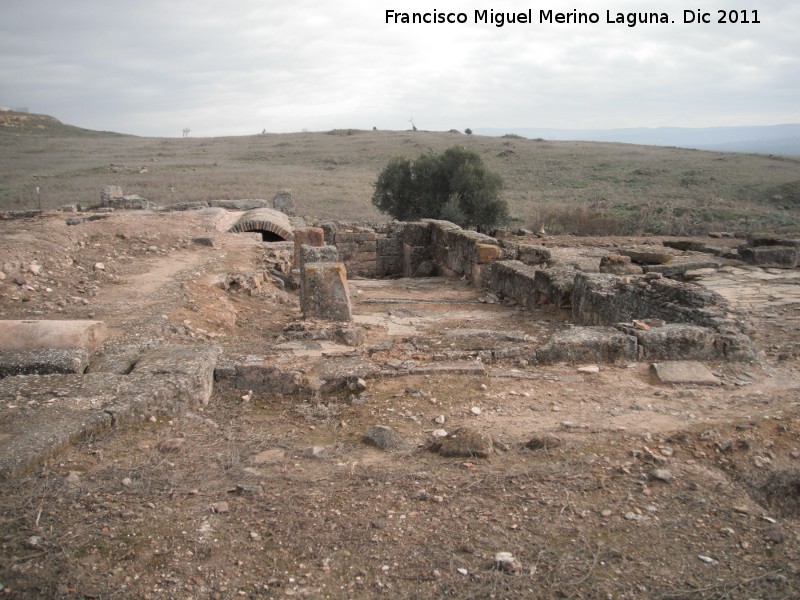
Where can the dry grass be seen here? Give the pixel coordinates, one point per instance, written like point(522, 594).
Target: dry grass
point(571, 187)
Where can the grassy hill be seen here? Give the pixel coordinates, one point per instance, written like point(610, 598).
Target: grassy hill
point(579, 187)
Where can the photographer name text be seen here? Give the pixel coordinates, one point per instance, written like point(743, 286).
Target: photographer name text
point(574, 17)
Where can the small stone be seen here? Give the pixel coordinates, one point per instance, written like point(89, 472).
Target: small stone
point(357, 385)
point(220, 508)
point(378, 524)
point(774, 534)
point(464, 442)
point(35, 269)
point(314, 452)
point(35, 541)
point(462, 571)
point(544, 441)
point(606, 513)
point(127, 482)
point(170, 444)
point(272, 455)
point(664, 475)
point(589, 369)
point(73, 479)
point(248, 488)
point(385, 438)
point(475, 410)
point(440, 420)
point(255, 536)
point(706, 559)
point(98, 266)
point(761, 461)
point(439, 433)
point(507, 563)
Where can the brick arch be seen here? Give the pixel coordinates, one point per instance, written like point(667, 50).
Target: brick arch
point(272, 224)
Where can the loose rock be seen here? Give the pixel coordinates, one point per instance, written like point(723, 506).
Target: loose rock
point(464, 442)
point(385, 438)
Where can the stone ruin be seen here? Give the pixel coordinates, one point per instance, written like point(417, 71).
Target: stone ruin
point(634, 316)
point(638, 309)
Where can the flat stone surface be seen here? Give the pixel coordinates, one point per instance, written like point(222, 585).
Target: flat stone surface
point(41, 415)
point(684, 373)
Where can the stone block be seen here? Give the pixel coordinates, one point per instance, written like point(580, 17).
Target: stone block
point(284, 202)
point(259, 375)
point(533, 255)
point(486, 253)
point(784, 257)
point(389, 246)
point(417, 234)
point(413, 257)
point(42, 334)
point(554, 287)
point(618, 264)
point(684, 373)
point(766, 239)
point(43, 361)
point(324, 292)
point(514, 280)
point(588, 345)
point(647, 256)
point(309, 236)
point(389, 265)
point(314, 254)
point(677, 342)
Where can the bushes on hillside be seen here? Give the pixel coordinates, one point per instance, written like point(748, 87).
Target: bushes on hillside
point(454, 185)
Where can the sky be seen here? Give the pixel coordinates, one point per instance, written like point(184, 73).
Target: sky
point(238, 67)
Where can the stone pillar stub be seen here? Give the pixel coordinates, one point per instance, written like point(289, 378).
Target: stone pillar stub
point(324, 293)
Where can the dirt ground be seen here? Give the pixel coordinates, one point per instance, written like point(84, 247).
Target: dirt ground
point(600, 485)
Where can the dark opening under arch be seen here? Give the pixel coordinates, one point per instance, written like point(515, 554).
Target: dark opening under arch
point(273, 226)
point(270, 236)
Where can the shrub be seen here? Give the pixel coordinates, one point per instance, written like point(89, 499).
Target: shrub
point(468, 131)
point(454, 185)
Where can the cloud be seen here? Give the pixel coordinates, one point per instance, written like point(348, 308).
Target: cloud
point(153, 68)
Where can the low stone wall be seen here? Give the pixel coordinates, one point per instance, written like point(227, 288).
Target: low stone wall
point(417, 249)
point(690, 321)
point(775, 251)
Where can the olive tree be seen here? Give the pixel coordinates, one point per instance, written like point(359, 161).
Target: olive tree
point(454, 185)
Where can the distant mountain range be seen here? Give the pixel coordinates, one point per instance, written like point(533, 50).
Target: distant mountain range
point(768, 139)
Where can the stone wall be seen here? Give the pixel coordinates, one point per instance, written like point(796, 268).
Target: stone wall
point(771, 251)
point(685, 320)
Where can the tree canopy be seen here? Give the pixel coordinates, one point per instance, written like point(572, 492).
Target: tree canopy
point(454, 185)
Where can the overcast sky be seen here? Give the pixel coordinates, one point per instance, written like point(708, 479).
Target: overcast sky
point(237, 67)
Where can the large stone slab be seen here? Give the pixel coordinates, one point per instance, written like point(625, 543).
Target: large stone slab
point(684, 373)
point(40, 415)
point(34, 333)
